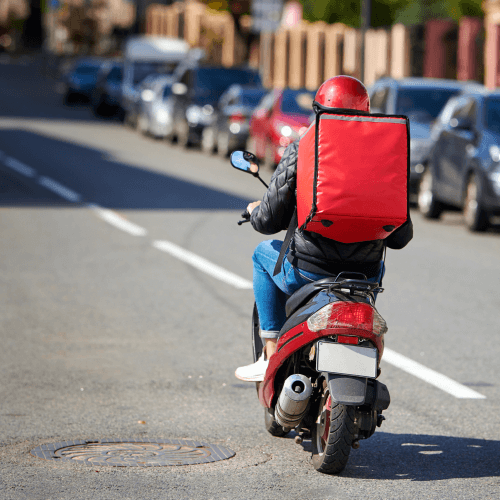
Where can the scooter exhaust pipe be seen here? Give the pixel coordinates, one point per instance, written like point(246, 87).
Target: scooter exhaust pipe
point(293, 400)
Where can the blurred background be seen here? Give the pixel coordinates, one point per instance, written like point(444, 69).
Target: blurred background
point(440, 38)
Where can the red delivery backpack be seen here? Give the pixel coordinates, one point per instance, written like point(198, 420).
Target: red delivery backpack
point(352, 175)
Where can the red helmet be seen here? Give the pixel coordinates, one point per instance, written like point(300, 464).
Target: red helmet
point(343, 92)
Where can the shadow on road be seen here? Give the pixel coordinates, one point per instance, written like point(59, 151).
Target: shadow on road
point(29, 91)
point(98, 179)
point(421, 457)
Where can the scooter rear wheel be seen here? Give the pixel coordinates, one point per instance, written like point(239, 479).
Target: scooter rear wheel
point(332, 435)
point(271, 425)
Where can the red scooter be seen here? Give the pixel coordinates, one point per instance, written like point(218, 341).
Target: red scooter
point(322, 379)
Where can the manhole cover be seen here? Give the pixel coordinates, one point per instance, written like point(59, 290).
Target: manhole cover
point(134, 453)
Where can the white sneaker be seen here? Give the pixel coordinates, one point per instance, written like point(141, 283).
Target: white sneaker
point(254, 372)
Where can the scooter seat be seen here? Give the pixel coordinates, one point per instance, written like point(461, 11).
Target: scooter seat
point(304, 294)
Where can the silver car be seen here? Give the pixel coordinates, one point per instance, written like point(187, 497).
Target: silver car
point(155, 114)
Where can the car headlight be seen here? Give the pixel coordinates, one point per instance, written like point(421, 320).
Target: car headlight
point(196, 114)
point(163, 116)
point(287, 131)
point(495, 153)
point(147, 95)
point(235, 128)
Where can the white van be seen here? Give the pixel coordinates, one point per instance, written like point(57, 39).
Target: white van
point(144, 56)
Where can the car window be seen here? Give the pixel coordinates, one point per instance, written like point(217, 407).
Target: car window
point(493, 114)
point(167, 91)
point(210, 83)
point(232, 101)
point(267, 102)
point(142, 69)
point(297, 102)
point(466, 110)
point(378, 101)
point(116, 74)
point(251, 98)
point(422, 104)
point(87, 69)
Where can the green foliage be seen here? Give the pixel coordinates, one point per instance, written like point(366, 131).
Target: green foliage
point(349, 12)
point(419, 11)
point(387, 12)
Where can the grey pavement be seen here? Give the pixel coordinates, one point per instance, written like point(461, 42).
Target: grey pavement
point(104, 336)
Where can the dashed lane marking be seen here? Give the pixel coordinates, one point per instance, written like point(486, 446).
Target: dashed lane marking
point(430, 376)
point(203, 265)
point(418, 370)
point(117, 221)
point(19, 167)
point(58, 188)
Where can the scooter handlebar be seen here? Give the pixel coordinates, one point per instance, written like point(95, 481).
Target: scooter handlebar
point(246, 218)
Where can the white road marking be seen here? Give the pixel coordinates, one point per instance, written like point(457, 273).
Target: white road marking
point(62, 191)
point(432, 377)
point(19, 167)
point(203, 265)
point(117, 221)
point(418, 370)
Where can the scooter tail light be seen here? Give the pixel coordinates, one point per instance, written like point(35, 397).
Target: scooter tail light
point(345, 315)
point(379, 324)
point(319, 320)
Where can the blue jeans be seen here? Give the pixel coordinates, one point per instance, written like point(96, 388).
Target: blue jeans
point(271, 292)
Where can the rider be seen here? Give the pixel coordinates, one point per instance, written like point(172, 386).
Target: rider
point(310, 256)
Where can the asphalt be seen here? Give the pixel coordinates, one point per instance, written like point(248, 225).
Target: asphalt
point(103, 336)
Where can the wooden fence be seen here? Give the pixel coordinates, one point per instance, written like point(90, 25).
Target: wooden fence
point(307, 54)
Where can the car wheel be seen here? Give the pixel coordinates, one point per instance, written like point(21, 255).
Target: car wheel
point(476, 218)
point(208, 140)
point(69, 98)
point(428, 205)
point(183, 134)
point(142, 125)
point(223, 144)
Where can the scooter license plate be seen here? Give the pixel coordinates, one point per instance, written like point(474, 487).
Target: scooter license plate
point(346, 359)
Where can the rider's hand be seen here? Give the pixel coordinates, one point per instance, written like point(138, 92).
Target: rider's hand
point(253, 205)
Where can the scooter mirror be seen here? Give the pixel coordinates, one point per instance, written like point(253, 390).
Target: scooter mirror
point(243, 160)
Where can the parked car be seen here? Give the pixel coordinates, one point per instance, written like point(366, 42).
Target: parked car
point(231, 123)
point(196, 94)
point(155, 109)
point(463, 169)
point(80, 79)
point(107, 92)
point(144, 56)
point(281, 118)
point(421, 99)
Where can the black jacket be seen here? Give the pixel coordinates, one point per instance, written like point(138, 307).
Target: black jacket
point(311, 251)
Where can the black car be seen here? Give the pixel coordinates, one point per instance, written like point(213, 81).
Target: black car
point(421, 99)
point(230, 127)
point(463, 167)
point(195, 98)
point(106, 94)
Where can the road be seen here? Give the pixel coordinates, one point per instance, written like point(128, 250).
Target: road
point(115, 324)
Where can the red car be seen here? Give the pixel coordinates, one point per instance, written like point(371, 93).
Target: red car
point(280, 119)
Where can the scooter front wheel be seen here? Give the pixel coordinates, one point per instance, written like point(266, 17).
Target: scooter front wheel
point(332, 435)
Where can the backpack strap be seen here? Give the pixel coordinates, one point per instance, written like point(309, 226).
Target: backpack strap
point(286, 242)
